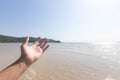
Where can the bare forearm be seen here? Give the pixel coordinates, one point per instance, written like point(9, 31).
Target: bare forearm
point(14, 71)
point(29, 54)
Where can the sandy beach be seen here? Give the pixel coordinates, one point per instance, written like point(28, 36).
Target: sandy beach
point(68, 62)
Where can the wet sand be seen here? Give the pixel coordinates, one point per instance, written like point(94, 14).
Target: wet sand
point(67, 62)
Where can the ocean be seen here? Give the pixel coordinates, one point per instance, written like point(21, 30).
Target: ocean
point(69, 61)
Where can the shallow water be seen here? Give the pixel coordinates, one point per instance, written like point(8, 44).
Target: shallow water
point(69, 61)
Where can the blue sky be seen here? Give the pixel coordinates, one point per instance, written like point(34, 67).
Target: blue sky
point(65, 20)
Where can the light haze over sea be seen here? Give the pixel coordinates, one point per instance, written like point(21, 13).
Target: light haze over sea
point(67, 21)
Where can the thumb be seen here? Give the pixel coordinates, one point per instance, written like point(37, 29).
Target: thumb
point(26, 40)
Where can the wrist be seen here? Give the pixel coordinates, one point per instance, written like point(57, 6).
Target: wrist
point(24, 61)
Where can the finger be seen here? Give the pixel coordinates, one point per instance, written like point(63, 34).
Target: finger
point(44, 49)
point(26, 40)
point(36, 41)
point(44, 43)
point(41, 42)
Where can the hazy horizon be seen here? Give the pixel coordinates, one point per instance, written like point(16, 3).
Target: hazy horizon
point(64, 20)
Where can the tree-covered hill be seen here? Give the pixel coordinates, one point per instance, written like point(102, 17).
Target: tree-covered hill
point(11, 39)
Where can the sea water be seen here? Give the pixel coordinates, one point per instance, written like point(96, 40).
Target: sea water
point(69, 61)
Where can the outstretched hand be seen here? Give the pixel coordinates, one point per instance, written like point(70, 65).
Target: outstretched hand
point(31, 53)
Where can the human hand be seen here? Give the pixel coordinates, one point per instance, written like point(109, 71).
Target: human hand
point(30, 54)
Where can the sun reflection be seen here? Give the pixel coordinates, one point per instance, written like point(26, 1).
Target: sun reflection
point(109, 78)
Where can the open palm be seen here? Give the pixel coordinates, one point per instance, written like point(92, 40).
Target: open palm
point(31, 53)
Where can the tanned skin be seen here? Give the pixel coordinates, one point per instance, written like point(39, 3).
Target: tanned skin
point(29, 54)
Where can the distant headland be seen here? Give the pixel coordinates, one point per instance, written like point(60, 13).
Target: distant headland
point(11, 39)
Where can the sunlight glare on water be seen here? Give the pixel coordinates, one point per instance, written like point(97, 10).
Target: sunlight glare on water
point(109, 78)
